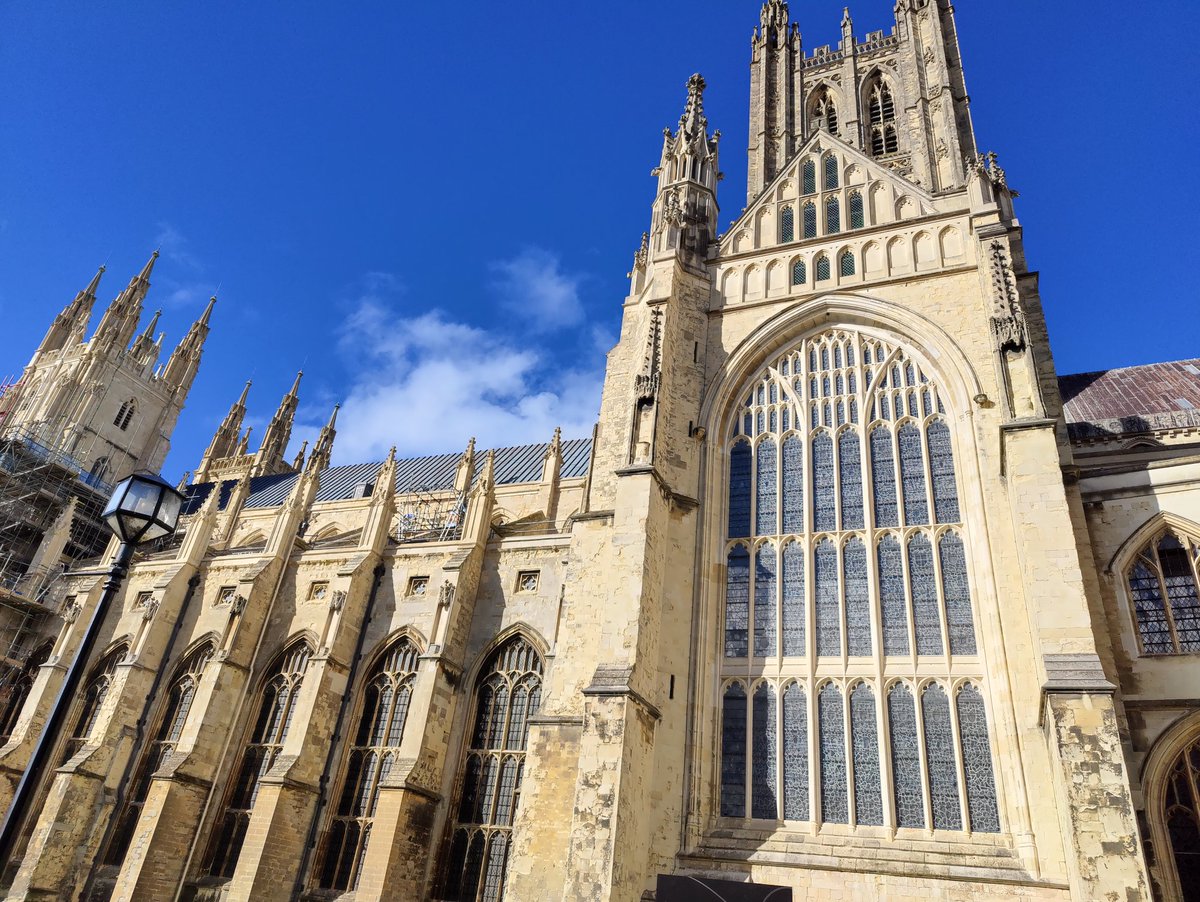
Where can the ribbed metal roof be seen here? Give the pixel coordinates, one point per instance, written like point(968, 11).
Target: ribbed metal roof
point(434, 473)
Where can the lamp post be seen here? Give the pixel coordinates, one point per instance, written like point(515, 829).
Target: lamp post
point(142, 508)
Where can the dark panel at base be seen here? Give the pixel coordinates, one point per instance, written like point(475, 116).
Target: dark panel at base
point(699, 889)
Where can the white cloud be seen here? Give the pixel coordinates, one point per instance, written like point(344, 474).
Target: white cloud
point(174, 246)
point(533, 286)
point(428, 383)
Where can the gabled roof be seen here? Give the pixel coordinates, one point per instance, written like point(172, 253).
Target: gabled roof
point(432, 473)
point(1132, 399)
point(818, 143)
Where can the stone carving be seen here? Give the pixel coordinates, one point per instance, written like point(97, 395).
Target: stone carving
point(149, 610)
point(643, 252)
point(446, 594)
point(647, 382)
point(337, 601)
point(673, 209)
point(1008, 324)
point(70, 612)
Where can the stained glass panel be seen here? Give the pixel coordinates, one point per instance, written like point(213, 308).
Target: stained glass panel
point(795, 754)
point(766, 495)
point(765, 606)
point(733, 752)
point(737, 604)
point(941, 469)
point(793, 600)
point(1182, 597)
point(787, 225)
point(894, 613)
point(739, 490)
point(828, 611)
point(941, 766)
point(799, 273)
point(977, 761)
point(823, 271)
point(835, 807)
point(908, 792)
point(831, 170)
point(856, 211)
point(810, 220)
point(957, 591)
point(850, 469)
point(883, 478)
point(833, 216)
point(864, 744)
point(912, 476)
point(763, 803)
point(846, 264)
point(858, 599)
point(1148, 606)
point(809, 177)
point(824, 494)
point(793, 485)
point(923, 586)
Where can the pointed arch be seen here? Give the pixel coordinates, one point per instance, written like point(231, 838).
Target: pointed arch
point(822, 108)
point(19, 683)
point(1168, 759)
point(91, 701)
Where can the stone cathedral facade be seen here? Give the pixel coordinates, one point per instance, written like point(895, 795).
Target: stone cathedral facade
point(848, 592)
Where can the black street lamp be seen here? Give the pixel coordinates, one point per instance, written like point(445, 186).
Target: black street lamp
point(143, 507)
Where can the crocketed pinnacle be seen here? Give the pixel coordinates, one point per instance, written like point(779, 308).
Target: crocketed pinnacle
point(693, 126)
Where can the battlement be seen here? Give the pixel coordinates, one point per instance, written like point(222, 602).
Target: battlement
point(874, 42)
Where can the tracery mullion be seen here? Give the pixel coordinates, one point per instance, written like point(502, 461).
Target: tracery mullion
point(1164, 594)
point(935, 541)
point(923, 753)
point(956, 738)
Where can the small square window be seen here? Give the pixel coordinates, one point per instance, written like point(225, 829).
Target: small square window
point(418, 585)
point(527, 580)
point(318, 591)
point(226, 594)
point(143, 599)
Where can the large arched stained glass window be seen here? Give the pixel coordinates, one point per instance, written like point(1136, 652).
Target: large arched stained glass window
point(162, 745)
point(509, 692)
point(277, 703)
point(1164, 587)
point(376, 742)
point(849, 546)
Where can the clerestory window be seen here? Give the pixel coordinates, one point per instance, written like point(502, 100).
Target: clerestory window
point(882, 115)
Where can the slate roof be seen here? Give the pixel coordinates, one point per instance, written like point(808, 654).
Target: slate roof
point(1133, 399)
point(433, 473)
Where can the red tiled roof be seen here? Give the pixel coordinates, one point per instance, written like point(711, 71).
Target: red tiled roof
point(1143, 398)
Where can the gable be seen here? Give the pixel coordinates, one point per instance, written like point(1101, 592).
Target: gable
point(854, 185)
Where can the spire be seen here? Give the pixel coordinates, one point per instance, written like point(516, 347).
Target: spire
point(323, 448)
point(692, 124)
point(185, 361)
point(225, 440)
point(298, 460)
point(121, 318)
point(72, 322)
point(847, 29)
point(466, 468)
point(144, 346)
point(269, 459)
point(776, 83)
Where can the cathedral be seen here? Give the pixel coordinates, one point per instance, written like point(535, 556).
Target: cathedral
point(848, 596)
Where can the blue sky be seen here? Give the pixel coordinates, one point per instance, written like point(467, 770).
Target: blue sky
point(431, 208)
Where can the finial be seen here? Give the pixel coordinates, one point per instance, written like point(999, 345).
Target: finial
point(241, 401)
point(296, 385)
point(95, 283)
point(333, 416)
point(212, 301)
point(692, 124)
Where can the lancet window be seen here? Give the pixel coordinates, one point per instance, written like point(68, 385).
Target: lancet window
point(787, 225)
point(808, 177)
point(810, 220)
point(171, 721)
point(1181, 813)
point(125, 415)
point(94, 694)
point(1164, 588)
point(508, 693)
point(882, 115)
point(277, 704)
point(376, 743)
point(848, 605)
point(824, 112)
point(799, 273)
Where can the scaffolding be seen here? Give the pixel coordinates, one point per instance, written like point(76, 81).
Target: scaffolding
point(50, 507)
point(423, 515)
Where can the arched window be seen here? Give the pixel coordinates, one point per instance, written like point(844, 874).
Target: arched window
point(277, 703)
point(162, 744)
point(831, 172)
point(125, 414)
point(846, 264)
point(823, 112)
point(1181, 815)
point(833, 216)
point(799, 273)
point(508, 692)
point(818, 564)
point(386, 695)
point(94, 693)
point(1164, 586)
point(16, 691)
point(882, 114)
point(857, 219)
point(809, 177)
point(99, 470)
point(810, 220)
point(823, 271)
point(787, 225)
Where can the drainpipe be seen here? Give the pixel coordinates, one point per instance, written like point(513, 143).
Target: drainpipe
point(310, 841)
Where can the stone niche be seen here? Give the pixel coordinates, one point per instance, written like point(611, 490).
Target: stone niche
point(694, 889)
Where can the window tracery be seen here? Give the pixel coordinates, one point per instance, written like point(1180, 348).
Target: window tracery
point(19, 685)
point(509, 693)
point(1164, 588)
point(824, 112)
point(277, 704)
point(372, 755)
point(882, 115)
point(94, 694)
point(861, 487)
